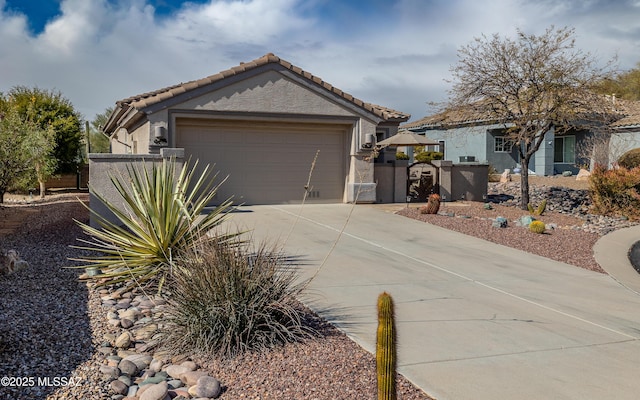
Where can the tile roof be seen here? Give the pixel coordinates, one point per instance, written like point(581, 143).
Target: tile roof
point(628, 111)
point(631, 112)
point(147, 99)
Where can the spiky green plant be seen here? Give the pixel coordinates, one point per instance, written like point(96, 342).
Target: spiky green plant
point(229, 298)
point(537, 226)
point(386, 349)
point(540, 210)
point(163, 217)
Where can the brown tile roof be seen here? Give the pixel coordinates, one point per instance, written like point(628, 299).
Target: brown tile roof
point(147, 99)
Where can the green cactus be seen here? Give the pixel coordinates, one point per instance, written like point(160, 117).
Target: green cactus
point(540, 210)
point(386, 349)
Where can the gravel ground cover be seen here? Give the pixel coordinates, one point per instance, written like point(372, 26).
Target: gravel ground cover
point(52, 326)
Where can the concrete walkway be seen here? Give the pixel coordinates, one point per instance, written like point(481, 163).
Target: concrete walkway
point(476, 320)
point(612, 253)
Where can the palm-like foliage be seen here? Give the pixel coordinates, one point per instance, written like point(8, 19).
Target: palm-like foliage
point(162, 217)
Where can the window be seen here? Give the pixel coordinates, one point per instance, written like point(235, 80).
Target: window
point(502, 144)
point(564, 149)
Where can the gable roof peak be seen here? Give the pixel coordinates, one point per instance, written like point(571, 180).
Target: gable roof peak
point(144, 100)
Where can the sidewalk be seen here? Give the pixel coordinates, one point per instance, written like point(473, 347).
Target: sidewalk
point(612, 253)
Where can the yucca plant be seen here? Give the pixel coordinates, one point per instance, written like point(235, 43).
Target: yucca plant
point(229, 298)
point(162, 217)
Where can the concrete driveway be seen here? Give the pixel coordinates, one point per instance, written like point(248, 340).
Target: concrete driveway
point(476, 320)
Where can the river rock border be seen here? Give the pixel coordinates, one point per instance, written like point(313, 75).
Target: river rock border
point(131, 365)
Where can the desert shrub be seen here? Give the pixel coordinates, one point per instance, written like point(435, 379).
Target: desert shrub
point(427, 156)
point(229, 299)
point(615, 191)
point(537, 226)
point(163, 217)
point(401, 156)
point(630, 159)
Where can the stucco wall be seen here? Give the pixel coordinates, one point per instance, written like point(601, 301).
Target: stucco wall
point(103, 166)
point(622, 142)
point(269, 92)
point(463, 181)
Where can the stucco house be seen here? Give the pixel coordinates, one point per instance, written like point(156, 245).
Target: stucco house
point(262, 123)
point(485, 141)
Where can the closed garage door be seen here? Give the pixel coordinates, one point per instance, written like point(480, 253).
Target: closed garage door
point(269, 162)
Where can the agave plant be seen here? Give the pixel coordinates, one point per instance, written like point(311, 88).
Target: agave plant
point(162, 217)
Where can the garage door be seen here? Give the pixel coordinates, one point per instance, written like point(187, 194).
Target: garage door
point(269, 162)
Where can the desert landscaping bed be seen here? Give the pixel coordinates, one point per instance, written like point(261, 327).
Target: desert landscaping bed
point(52, 326)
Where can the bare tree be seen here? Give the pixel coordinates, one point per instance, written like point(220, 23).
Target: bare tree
point(530, 84)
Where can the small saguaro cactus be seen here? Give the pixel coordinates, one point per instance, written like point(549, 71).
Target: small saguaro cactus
point(386, 349)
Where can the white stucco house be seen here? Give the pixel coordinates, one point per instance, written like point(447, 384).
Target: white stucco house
point(262, 123)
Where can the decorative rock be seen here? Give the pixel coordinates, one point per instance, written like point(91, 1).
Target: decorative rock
point(114, 322)
point(189, 364)
point(526, 220)
point(583, 175)
point(125, 379)
point(141, 361)
point(133, 390)
point(105, 350)
point(175, 383)
point(157, 378)
point(126, 323)
point(156, 365)
point(131, 314)
point(128, 368)
point(208, 386)
point(146, 332)
point(179, 394)
point(110, 372)
point(193, 391)
point(126, 353)
point(118, 387)
point(124, 340)
point(499, 222)
point(191, 378)
point(505, 176)
point(156, 391)
point(176, 371)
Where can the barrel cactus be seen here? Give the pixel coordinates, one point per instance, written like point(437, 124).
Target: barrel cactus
point(537, 227)
point(433, 204)
point(386, 349)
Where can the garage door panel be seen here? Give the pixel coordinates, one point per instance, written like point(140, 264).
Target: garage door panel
point(269, 163)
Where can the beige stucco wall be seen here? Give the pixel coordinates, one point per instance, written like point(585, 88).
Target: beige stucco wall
point(269, 92)
point(274, 95)
point(104, 166)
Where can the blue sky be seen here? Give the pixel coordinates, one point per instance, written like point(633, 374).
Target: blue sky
point(395, 53)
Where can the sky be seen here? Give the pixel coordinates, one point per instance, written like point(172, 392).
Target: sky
point(395, 53)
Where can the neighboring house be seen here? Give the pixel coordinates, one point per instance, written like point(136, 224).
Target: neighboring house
point(262, 123)
point(484, 141)
point(626, 132)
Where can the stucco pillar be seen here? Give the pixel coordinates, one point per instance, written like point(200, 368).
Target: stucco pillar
point(445, 169)
point(361, 187)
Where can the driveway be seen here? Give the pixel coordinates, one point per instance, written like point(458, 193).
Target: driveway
point(475, 320)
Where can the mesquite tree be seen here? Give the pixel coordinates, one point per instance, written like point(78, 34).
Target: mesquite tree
point(530, 85)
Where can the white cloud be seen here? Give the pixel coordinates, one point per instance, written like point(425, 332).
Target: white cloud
point(96, 51)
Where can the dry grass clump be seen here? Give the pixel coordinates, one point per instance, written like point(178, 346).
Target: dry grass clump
point(229, 298)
